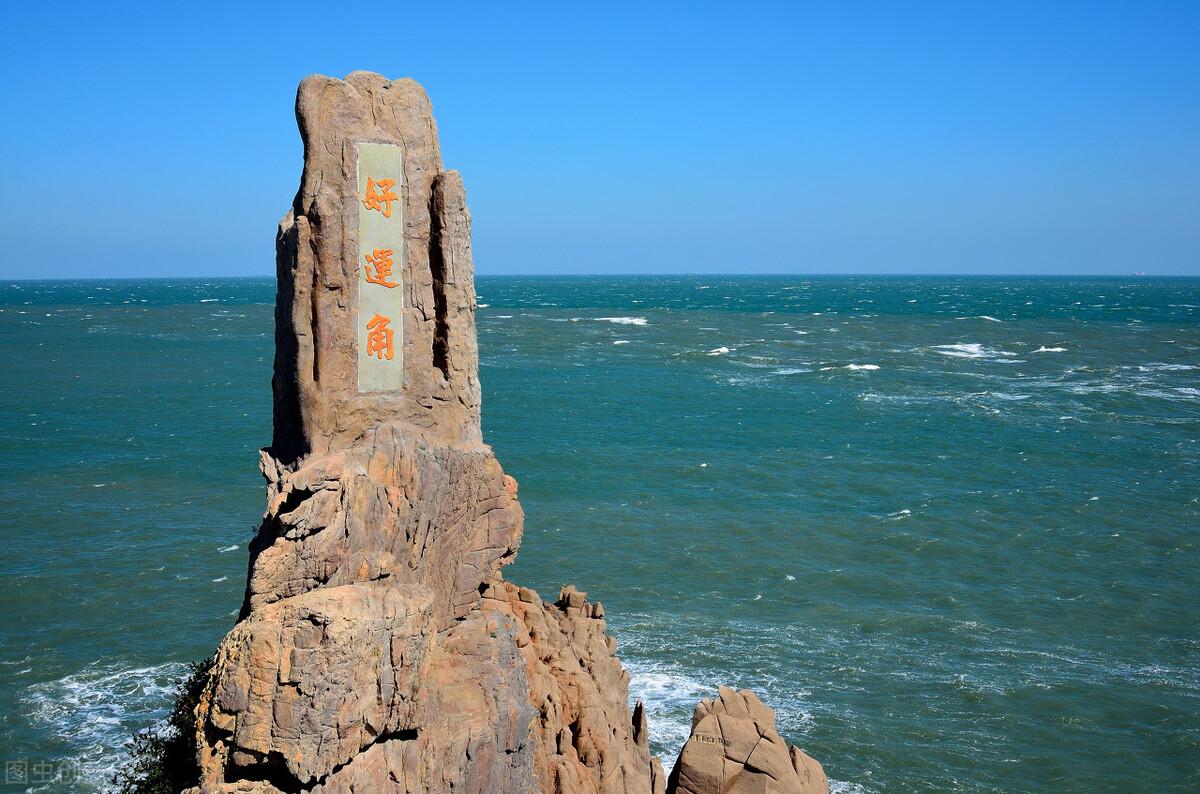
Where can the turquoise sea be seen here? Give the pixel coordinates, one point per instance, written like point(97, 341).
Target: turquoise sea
point(947, 527)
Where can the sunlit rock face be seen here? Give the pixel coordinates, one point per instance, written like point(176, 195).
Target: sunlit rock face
point(734, 749)
point(379, 649)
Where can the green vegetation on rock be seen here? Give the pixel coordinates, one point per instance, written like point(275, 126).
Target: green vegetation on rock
point(162, 759)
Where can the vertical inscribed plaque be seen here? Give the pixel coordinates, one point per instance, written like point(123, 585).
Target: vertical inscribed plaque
point(380, 320)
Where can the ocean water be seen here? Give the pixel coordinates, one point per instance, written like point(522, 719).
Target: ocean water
point(947, 528)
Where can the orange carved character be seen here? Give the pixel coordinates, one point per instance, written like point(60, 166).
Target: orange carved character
point(380, 196)
point(379, 337)
point(381, 260)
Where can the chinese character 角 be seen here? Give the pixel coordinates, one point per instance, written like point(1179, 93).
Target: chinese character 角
point(381, 260)
point(380, 196)
point(379, 337)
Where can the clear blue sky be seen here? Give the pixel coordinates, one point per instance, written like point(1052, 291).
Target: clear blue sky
point(962, 137)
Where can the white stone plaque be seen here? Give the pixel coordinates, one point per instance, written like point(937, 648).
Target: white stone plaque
point(380, 320)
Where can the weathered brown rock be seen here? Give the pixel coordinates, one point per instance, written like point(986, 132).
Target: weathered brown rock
point(378, 649)
point(318, 407)
point(735, 749)
point(580, 691)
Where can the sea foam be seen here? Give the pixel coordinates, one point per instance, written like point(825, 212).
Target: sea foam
point(622, 320)
point(95, 711)
point(670, 695)
point(970, 350)
point(1159, 367)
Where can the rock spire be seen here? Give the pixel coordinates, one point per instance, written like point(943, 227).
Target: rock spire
point(379, 649)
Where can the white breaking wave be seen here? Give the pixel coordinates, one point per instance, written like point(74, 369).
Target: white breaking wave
point(970, 350)
point(95, 711)
point(622, 320)
point(224, 549)
point(1045, 349)
point(1158, 367)
point(669, 696)
point(718, 351)
point(989, 318)
point(621, 342)
point(854, 367)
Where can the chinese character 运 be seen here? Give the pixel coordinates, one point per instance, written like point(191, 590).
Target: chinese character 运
point(381, 260)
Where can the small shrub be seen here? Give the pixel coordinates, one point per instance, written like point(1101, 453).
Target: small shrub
point(163, 760)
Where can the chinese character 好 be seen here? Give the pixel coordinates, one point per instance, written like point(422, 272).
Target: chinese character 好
point(380, 196)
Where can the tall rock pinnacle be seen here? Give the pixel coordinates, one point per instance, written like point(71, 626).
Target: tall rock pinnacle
point(327, 270)
point(379, 649)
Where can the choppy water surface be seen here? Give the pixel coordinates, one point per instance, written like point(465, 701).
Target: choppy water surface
point(946, 527)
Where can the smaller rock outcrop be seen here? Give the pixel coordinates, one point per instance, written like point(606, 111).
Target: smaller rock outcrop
point(735, 749)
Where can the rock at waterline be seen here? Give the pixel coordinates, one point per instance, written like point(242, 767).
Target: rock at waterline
point(734, 749)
